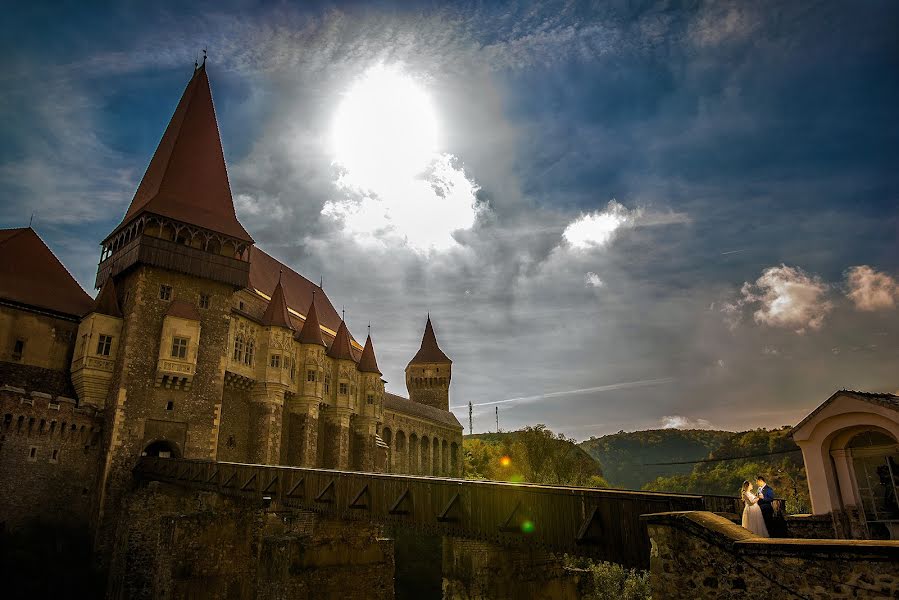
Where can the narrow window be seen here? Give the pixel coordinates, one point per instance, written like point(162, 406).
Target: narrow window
point(238, 348)
point(342, 389)
point(32, 453)
point(371, 398)
point(165, 292)
point(54, 457)
point(251, 353)
point(276, 361)
point(18, 349)
point(310, 375)
point(104, 344)
point(179, 347)
point(204, 301)
point(170, 405)
point(240, 305)
point(327, 384)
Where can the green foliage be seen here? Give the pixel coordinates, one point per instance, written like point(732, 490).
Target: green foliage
point(785, 473)
point(623, 455)
point(611, 581)
point(534, 454)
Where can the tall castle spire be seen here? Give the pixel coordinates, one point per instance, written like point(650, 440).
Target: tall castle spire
point(429, 352)
point(187, 179)
point(182, 215)
point(429, 372)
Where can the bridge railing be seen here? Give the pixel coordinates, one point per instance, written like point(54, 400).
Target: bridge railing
point(601, 523)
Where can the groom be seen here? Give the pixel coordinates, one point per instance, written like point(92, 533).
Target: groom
point(766, 498)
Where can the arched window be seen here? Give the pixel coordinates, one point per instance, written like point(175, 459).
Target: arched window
point(238, 347)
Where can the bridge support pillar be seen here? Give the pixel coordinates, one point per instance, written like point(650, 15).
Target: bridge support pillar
point(476, 570)
point(337, 437)
point(266, 410)
point(302, 432)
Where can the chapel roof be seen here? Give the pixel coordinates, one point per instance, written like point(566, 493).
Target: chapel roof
point(429, 352)
point(187, 179)
point(30, 274)
point(881, 398)
point(424, 411)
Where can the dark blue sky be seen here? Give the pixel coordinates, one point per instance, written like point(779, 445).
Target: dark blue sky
point(742, 143)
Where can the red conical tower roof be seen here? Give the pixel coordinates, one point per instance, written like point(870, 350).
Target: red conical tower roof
point(311, 333)
point(187, 179)
point(107, 302)
point(276, 312)
point(340, 347)
point(368, 363)
point(429, 352)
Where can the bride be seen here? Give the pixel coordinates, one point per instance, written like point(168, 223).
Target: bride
point(752, 513)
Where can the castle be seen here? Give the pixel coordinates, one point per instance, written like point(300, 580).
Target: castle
point(198, 345)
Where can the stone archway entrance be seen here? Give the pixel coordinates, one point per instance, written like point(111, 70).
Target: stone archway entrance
point(162, 449)
point(875, 466)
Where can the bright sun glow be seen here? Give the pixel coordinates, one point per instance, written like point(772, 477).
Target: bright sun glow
point(385, 126)
point(394, 181)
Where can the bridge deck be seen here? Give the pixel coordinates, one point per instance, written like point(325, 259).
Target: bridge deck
point(601, 523)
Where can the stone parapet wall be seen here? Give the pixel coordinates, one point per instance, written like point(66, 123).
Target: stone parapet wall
point(702, 555)
point(49, 456)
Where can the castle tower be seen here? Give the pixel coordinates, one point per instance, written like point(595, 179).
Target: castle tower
point(175, 260)
point(267, 397)
point(303, 408)
point(339, 403)
point(429, 372)
point(369, 411)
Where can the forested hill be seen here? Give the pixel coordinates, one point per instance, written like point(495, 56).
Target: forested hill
point(623, 455)
point(533, 454)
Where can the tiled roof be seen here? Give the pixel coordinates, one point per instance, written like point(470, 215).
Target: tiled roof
point(187, 179)
point(429, 352)
point(311, 332)
point(341, 348)
point(404, 405)
point(107, 302)
point(183, 310)
point(30, 274)
point(276, 312)
point(367, 362)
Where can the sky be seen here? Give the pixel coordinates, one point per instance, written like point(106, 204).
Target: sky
point(620, 216)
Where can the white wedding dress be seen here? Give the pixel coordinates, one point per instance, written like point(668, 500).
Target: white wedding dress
point(752, 515)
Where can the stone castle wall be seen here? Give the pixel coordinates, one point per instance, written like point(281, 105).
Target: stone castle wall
point(176, 543)
point(702, 555)
point(49, 456)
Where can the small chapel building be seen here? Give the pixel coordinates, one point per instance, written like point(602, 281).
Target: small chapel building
point(850, 446)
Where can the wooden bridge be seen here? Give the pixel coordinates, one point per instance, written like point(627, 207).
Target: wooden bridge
point(603, 524)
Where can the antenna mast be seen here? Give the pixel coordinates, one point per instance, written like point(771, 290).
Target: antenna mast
point(497, 419)
point(469, 418)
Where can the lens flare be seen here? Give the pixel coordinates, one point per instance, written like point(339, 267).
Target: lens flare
point(527, 527)
point(505, 461)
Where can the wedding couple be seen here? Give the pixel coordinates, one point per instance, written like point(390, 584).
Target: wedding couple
point(758, 510)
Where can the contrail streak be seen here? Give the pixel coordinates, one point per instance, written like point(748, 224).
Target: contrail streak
point(600, 388)
point(734, 251)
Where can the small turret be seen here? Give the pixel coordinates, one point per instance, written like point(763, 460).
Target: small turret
point(429, 372)
point(368, 363)
point(311, 332)
point(341, 348)
point(276, 314)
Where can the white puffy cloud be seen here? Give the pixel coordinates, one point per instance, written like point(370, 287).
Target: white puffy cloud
point(681, 422)
point(870, 290)
point(596, 229)
point(783, 297)
point(591, 279)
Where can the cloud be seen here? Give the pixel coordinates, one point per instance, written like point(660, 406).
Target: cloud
point(593, 280)
point(597, 229)
point(870, 290)
point(681, 422)
point(783, 297)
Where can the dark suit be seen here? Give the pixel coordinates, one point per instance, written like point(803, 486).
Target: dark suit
point(766, 498)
